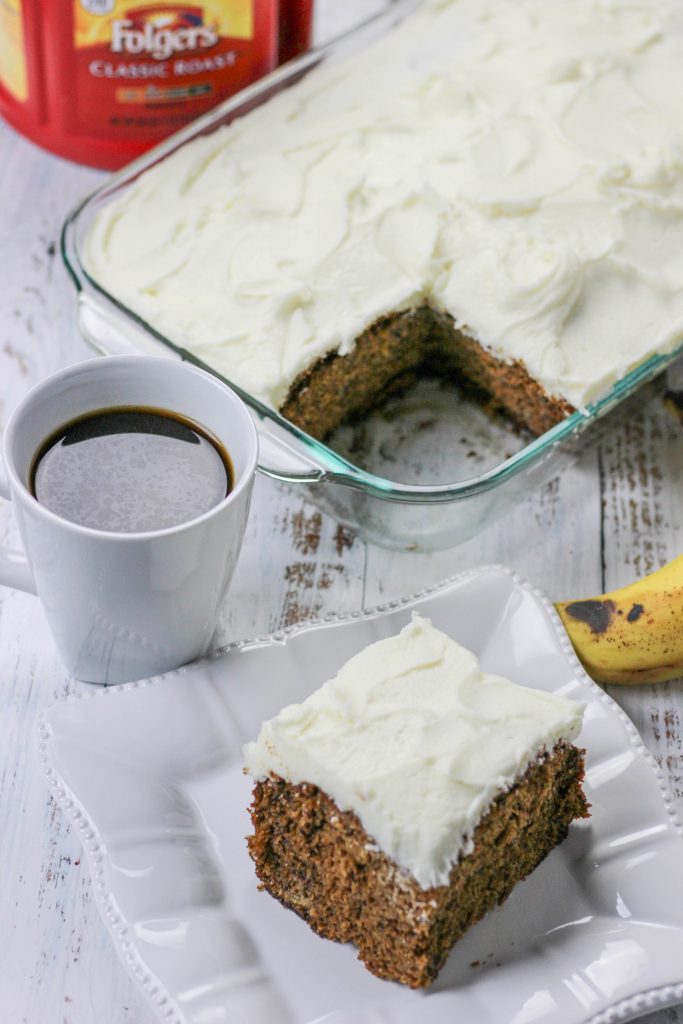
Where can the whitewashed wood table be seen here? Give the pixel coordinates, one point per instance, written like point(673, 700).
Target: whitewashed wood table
point(616, 515)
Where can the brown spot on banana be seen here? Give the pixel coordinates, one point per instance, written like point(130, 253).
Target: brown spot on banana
point(596, 613)
point(635, 613)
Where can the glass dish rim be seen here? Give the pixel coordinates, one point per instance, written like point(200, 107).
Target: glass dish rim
point(332, 467)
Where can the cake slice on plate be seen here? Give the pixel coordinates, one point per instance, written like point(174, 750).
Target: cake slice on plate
point(407, 796)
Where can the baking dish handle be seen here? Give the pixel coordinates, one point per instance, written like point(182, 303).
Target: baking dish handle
point(280, 461)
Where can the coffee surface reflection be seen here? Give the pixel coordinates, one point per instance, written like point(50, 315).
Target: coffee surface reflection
point(131, 469)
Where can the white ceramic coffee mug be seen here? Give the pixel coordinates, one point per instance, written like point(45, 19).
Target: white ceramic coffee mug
point(123, 606)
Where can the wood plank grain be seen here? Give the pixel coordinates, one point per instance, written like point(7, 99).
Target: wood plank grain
point(296, 564)
point(642, 528)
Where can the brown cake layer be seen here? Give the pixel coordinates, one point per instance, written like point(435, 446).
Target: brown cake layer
point(398, 347)
point(320, 862)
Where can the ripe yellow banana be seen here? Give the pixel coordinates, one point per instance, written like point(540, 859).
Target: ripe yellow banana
point(633, 635)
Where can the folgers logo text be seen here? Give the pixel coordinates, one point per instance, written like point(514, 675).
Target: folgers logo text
point(162, 30)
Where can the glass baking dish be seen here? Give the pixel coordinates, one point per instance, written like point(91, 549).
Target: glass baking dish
point(428, 470)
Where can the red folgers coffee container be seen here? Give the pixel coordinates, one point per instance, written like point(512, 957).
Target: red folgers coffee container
point(101, 81)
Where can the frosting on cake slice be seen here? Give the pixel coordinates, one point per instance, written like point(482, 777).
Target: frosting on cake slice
point(415, 739)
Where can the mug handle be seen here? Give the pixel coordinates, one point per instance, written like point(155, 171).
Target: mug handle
point(14, 568)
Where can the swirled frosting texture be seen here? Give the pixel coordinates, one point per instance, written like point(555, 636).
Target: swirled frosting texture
point(519, 165)
point(414, 739)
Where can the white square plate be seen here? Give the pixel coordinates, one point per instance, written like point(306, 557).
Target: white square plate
point(150, 773)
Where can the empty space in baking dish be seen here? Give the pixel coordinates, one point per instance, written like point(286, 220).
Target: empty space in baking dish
point(432, 431)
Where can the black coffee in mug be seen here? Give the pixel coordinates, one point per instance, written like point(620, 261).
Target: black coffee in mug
point(131, 469)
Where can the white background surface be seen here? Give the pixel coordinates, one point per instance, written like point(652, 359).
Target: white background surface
point(617, 515)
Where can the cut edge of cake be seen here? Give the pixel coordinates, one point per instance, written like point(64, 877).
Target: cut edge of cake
point(390, 355)
point(319, 861)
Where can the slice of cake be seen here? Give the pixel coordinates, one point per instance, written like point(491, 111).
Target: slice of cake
point(407, 796)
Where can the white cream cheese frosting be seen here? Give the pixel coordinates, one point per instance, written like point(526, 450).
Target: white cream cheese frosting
point(417, 741)
point(516, 164)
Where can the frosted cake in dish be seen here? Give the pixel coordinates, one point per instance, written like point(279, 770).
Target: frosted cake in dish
point(408, 795)
point(494, 190)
